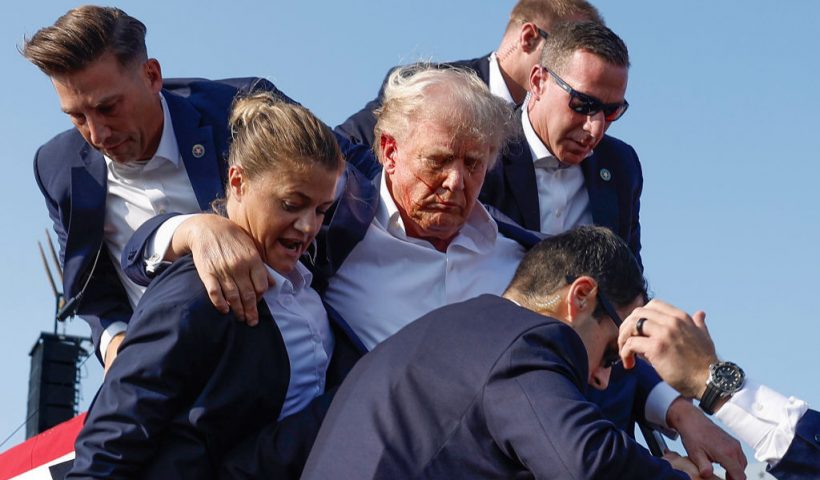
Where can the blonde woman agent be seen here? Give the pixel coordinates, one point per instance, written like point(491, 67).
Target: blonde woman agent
point(190, 382)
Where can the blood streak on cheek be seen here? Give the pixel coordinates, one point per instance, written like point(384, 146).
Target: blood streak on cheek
point(430, 188)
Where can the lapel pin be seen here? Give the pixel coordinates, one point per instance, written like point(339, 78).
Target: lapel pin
point(198, 150)
point(606, 175)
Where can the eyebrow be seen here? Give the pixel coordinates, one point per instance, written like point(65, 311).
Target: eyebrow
point(103, 102)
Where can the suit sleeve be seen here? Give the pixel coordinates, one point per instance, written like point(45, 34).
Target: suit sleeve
point(537, 415)
point(132, 261)
point(104, 301)
point(802, 459)
point(53, 211)
point(150, 382)
point(359, 156)
point(635, 226)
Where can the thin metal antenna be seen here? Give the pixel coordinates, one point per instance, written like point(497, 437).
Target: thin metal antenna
point(54, 257)
point(59, 299)
point(48, 271)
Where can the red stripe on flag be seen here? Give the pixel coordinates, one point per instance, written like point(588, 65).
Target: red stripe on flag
point(53, 443)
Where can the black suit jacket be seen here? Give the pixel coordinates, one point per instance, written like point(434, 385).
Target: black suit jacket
point(359, 126)
point(189, 384)
point(478, 389)
point(612, 176)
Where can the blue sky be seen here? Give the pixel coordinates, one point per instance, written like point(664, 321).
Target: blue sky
point(724, 116)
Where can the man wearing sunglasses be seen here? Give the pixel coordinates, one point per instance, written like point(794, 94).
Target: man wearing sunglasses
point(494, 387)
point(562, 170)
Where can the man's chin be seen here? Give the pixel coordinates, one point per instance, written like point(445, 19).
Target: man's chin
point(443, 230)
point(121, 154)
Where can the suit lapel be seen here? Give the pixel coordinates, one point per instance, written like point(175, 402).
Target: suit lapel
point(196, 145)
point(85, 227)
point(519, 175)
point(600, 180)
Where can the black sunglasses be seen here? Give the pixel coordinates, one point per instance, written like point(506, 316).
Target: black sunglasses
point(611, 355)
point(587, 104)
point(543, 33)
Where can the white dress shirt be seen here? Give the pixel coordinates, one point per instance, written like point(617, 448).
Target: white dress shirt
point(390, 279)
point(302, 321)
point(137, 192)
point(498, 86)
point(563, 200)
point(763, 419)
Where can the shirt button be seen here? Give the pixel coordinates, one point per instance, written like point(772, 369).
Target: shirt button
point(558, 213)
point(161, 211)
point(286, 300)
point(758, 407)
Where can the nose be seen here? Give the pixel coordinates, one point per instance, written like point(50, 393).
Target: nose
point(600, 378)
point(454, 176)
point(595, 125)
point(308, 223)
point(98, 131)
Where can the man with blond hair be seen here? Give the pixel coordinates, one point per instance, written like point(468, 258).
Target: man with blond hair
point(506, 70)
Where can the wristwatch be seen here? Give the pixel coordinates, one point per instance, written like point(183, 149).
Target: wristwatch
point(725, 379)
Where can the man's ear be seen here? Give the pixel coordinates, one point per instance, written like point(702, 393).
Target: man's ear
point(236, 182)
point(581, 298)
point(153, 74)
point(528, 38)
point(538, 81)
point(389, 149)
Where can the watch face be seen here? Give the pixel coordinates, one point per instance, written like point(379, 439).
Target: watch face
point(727, 377)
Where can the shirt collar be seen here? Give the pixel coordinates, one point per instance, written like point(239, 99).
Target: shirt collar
point(292, 283)
point(168, 147)
point(479, 232)
point(498, 86)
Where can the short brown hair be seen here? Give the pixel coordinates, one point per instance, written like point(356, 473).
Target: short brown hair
point(588, 250)
point(83, 35)
point(547, 12)
point(568, 37)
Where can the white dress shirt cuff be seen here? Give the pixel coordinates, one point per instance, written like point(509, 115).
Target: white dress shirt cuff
point(764, 419)
point(657, 406)
point(113, 330)
point(157, 246)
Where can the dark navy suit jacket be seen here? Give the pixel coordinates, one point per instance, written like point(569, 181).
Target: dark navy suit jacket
point(802, 460)
point(72, 176)
point(189, 384)
point(612, 176)
point(478, 389)
point(359, 126)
